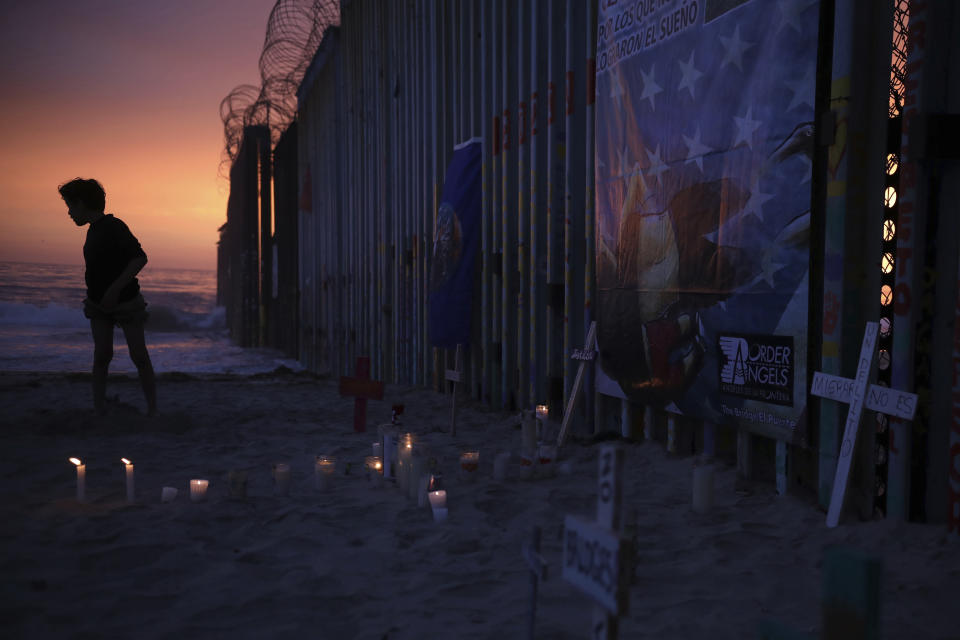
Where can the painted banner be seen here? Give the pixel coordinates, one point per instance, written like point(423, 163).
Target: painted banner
point(704, 158)
point(455, 241)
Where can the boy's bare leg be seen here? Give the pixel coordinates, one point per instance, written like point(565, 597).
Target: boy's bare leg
point(138, 353)
point(102, 354)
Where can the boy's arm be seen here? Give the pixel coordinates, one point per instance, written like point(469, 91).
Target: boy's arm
point(129, 273)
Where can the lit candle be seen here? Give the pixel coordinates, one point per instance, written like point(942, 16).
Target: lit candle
point(81, 479)
point(281, 479)
point(374, 467)
point(323, 472)
point(543, 412)
point(438, 499)
point(198, 490)
point(129, 467)
point(469, 463)
point(470, 460)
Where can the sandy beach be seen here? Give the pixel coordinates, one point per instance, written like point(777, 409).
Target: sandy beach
point(366, 562)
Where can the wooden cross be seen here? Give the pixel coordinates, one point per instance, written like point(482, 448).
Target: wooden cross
point(596, 558)
point(362, 388)
point(585, 355)
point(453, 375)
point(538, 571)
point(857, 393)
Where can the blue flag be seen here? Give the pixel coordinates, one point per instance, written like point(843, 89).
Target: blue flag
point(455, 249)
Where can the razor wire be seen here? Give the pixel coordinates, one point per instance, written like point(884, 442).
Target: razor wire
point(294, 31)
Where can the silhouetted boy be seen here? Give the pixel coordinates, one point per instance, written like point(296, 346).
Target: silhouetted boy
point(113, 258)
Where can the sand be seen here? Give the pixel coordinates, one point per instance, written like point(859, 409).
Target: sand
point(365, 562)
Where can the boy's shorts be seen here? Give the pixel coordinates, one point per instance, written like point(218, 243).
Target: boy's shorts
point(127, 313)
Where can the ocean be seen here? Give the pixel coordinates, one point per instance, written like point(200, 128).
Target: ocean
point(42, 326)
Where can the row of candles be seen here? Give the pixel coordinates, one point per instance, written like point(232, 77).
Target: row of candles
point(392, 458)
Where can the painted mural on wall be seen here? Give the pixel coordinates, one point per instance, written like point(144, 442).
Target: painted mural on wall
point(704, 162)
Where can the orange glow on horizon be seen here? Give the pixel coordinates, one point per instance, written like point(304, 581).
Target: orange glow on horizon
point(131, 100)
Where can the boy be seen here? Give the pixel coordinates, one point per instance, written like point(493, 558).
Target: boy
point(113, 258)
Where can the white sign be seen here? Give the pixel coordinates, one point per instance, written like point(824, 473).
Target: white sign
point(591, 561)
point(881, 399)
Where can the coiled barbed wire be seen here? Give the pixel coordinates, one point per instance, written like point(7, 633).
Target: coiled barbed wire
point(294, 31)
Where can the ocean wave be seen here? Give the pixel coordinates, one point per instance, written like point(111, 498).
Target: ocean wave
point(162, 318)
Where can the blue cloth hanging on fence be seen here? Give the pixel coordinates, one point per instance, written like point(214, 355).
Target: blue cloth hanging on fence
point(453, 261)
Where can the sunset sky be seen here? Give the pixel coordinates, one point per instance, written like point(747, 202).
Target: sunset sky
point(127, 92)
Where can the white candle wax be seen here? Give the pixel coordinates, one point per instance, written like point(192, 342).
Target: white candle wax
point(198, 490)
point(281, 478)
point(129, 469)
point(440, 514)
point(323, 472)
point(438, 499)
point(81, 479)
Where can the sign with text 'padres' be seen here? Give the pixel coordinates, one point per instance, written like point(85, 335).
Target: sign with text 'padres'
point(595, 558)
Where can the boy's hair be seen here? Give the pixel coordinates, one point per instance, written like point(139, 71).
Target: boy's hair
point(89, 192)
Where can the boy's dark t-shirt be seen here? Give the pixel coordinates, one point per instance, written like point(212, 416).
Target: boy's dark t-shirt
point(109, 248)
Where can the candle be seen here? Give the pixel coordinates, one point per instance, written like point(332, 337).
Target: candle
point(528, 443)
point(542, 412)
point(198, 490)
point(414, 473)
point(167, 494)
point(470, 460)
point(377, 449)
point(469, 463)
point(526, 465)
point(548, 453)
point(129, 467)
point(281, 479)
point(438, 499)
point(404, 455)
point(323, 472)
point(500, 465)
point(374, 466)
point(81, 479)
point(440, 514)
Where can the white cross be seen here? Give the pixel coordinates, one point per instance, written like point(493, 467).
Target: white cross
point(596, 559)
point(857, 393)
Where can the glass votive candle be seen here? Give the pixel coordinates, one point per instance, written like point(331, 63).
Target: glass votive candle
point(438, 499)
point(323, 472)
point(374, 467)
point(469, 463)
point(198, 490)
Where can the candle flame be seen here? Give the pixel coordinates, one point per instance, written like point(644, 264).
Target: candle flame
point(125, 461)
point(76, 461)
point(378, 465)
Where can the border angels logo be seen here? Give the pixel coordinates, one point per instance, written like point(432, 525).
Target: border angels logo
point(757, 367)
